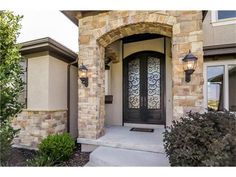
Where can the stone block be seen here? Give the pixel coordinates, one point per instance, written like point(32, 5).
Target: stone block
point(84, 39)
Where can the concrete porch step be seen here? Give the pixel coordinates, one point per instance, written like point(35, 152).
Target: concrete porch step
point(108, 156)
point(121, 137)
point(90, 164)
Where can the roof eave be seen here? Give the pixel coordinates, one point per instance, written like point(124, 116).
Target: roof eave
point(50, 45)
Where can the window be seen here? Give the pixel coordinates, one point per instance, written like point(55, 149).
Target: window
point(224, 14)
point(232, 87)
point(23, 95)
point(223, 17)
point(215, 87)
point(220, 85)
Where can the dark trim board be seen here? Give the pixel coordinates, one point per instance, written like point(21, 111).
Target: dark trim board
point(47, 44)
point(140, 37)
point(224, 49)
point(26, 99)
point(164, 76)
point(122, 84)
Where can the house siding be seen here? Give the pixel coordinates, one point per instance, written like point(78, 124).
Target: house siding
point(217, 35)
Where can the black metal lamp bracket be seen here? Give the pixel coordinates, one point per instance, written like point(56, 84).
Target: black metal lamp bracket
point(84, 81)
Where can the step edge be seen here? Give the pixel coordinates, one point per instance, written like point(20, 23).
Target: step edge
point(146, 148)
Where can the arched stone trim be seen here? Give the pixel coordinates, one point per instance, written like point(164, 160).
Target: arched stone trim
point(131, 29)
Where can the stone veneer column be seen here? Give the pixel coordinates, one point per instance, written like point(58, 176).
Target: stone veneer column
point(91, 101)
point(187, 35)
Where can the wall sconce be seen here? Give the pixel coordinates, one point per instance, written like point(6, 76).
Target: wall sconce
point(190, 62)
point(83, 75)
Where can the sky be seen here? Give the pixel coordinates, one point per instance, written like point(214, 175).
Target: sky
point(50, 23)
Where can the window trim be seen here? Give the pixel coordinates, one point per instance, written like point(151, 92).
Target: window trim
point(224, 63)
point(26, 70)
point(216, 22)
point(26, 82)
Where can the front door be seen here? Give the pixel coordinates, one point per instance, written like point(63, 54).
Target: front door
point(143, 94)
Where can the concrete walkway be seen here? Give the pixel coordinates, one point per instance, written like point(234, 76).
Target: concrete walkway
point(122, 147)
point(116, 157)
point(122, 137)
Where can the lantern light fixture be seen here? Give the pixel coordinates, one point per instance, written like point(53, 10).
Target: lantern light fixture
point(83, 74)
point(189, 63)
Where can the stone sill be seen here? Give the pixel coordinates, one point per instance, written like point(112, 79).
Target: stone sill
point(230, 21)
point(24, 147)
point(44, 110)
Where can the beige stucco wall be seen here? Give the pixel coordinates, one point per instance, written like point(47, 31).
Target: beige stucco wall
point(114, 110)
point(38, 81)
point(57, 84)
point(108, 82)
point(169, 95)
point(47, 82)
point(74, 101)
point(113, 82)
point(153, 44)
point(215, 35)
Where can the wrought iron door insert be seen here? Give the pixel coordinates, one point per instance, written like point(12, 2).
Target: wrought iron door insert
point(144, 86)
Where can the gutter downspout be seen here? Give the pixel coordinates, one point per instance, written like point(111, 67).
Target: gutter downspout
point(68, 93)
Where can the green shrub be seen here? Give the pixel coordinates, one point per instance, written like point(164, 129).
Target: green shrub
point(57, 147)
point(207, 139)
point(40, 161)
point(11, 83)
point(7, 133)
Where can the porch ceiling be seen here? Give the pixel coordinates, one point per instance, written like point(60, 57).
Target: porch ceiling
point(74, 15)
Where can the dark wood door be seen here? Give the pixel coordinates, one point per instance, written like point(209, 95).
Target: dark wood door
point(143, 89)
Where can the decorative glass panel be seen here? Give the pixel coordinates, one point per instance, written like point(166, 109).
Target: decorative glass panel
point(215, 88)
point(232, 87)
point(134, 83)
point(153, 69)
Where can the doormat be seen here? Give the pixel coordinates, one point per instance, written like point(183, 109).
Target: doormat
point(150, 130)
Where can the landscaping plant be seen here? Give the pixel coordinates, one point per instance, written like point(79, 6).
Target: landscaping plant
point(11, 83)
point(54, 150)
point(207, 139)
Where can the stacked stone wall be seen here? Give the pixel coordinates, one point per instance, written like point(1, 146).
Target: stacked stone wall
point(37, 125)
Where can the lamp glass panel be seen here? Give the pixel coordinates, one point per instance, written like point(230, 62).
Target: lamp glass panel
point(82, 73)
point(189, 65)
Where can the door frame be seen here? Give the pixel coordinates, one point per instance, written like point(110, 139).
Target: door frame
point(163, 80)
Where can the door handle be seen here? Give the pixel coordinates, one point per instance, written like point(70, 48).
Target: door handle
point(141, 101)
point(145, 101)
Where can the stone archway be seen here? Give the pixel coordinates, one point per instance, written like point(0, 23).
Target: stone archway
point(97, 32)
point(136, 28)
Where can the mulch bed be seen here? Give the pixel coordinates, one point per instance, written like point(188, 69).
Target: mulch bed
point(78, 159)
point(19, 157)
